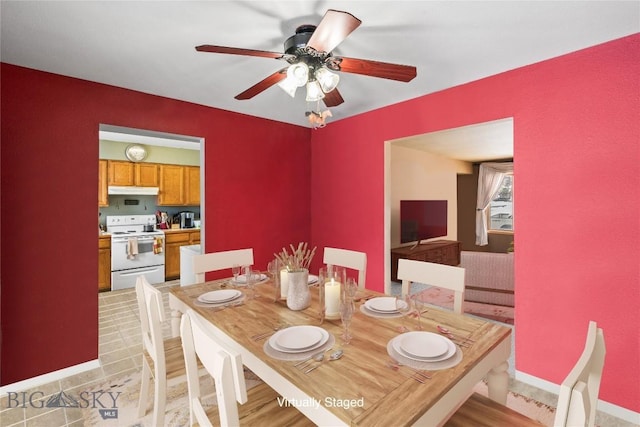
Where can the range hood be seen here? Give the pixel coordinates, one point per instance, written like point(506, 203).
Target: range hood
point(133, 191)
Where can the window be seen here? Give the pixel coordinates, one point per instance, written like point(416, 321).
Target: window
point(501, 207)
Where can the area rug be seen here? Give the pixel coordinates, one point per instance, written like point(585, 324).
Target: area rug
point(444, 298)
point(124, 412)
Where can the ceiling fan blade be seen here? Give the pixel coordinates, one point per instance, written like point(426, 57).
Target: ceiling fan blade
point(384, 70)
point(332, 98)
point(238, 51)
point(332, 30)
point(263, 85)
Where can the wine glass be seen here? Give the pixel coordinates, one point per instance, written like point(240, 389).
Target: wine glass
point(251, 276)
point(351, 288)
point(346, 314)
point(235, 269)
point(403, 305)
point(419, 305)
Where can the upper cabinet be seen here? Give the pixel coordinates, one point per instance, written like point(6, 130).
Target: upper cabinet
point(103, 196)
point(179, 185)
point(192, 182)
point(129, 173)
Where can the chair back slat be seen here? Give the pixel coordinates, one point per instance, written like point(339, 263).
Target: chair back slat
point(197, 342)
point(151, 310)
point(348, 259)
point(578, 396)
point(214, 261)
point(428, 273)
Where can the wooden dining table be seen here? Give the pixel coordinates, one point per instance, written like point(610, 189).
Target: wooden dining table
point(362, 388)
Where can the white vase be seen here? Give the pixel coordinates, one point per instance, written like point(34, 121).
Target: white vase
point(298, 296)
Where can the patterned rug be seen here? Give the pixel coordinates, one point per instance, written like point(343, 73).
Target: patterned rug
point(444, 298)
point(177, 411)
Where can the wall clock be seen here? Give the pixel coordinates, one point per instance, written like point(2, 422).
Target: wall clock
point(135, 152)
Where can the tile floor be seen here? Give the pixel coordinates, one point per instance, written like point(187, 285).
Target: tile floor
point(120, 353)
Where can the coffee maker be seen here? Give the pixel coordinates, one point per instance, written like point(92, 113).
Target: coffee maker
point(185, 219)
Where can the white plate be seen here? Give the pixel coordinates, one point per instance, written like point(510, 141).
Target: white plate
point(217, 297)
point(298, 339)
point(313, 279)
point(382, 304)
point(397, 344)
point(242, 279)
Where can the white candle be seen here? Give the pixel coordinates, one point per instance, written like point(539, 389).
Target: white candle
point(332, 297)
point(284, 283)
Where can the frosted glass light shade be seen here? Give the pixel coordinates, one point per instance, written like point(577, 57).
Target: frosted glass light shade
point(328, 80)
point(314, 92)
point(299, 73)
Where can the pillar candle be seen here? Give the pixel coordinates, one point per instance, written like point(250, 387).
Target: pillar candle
point(332, 297)
point(284, 283)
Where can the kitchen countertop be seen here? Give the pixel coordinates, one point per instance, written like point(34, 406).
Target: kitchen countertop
point(106, 235)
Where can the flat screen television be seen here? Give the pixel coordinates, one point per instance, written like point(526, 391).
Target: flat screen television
point(422, 219)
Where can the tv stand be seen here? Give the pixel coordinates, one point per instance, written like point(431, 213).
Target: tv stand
point(438, 251)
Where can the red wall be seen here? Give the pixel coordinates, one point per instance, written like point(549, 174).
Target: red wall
point(576, 154)
point(49, 192)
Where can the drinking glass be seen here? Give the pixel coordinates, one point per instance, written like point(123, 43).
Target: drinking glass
point(403, 305)
point(346, 314)
point(351, 287)
point(236, 271)
point(252, 277)
point(419, 305)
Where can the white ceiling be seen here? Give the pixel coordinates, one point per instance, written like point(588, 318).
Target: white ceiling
point(148, 46)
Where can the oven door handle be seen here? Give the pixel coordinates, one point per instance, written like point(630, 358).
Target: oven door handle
point(139, 271)
point(140, 239)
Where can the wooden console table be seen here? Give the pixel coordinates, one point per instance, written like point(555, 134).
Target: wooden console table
point(439, 251)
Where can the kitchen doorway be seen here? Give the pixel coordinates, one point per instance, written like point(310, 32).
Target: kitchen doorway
point(145, 154)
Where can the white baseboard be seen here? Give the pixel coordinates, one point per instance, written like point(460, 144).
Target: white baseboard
point(49, 377)
point(606, 407)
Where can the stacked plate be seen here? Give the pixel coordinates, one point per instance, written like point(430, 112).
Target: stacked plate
point(381, 307)
point(424, 346)
point(313, 279)
point(222, 296)
point(298, 342)
point(242, 279)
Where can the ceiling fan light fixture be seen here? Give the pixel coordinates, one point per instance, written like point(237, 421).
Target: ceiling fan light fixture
point(314, 91)
point(299, 73)
point(290, 86)
point(328, 80)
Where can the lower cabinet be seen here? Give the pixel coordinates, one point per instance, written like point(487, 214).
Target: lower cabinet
point(173, 241)
point(104, 263)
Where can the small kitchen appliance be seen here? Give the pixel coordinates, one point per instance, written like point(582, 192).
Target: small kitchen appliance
point(137, 248)
point(185, 219)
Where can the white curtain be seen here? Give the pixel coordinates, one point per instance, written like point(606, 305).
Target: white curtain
point(489, 180)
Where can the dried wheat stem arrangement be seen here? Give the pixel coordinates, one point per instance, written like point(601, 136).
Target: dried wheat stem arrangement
point(299, 259)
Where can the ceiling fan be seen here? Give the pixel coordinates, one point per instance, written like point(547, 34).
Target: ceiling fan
point(312, 64)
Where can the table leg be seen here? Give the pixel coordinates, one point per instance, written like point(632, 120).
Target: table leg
point(498, 383)
point(176, 315)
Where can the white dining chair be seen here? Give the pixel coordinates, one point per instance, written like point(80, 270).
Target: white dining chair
point(429, 273)
point(214, 261)
point(259, 404)
point(577, 400)
point(348, 259)
point(162, 359)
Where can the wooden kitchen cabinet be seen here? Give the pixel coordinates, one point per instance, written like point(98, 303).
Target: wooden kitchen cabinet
point(104, 263)
point(179, 185)
point(146, 174)
point(172, 185)
point(103, 195)
point(192, 182)
point(133, 174)
point(121, 173)
point(439, 251)
point(174, 239)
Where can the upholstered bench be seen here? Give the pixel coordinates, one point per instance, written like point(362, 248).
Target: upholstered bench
point(489, 277)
